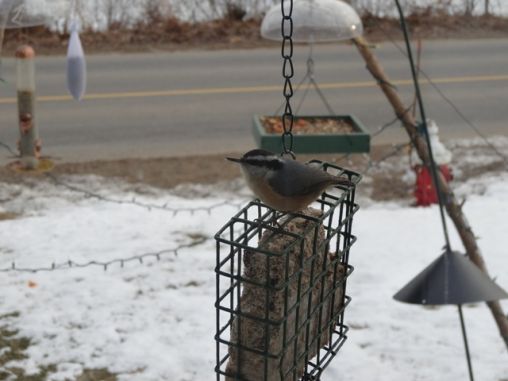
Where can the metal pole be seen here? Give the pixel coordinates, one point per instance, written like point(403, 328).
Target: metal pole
point(452, 205)
point(432, 163)
point(464, 335)
point(29, 143)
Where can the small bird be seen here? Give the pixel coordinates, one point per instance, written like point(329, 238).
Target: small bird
point(284, 184)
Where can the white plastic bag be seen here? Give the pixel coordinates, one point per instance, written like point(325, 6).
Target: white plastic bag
point(76, 65)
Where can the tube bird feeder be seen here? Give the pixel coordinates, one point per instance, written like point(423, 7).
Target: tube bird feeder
point(29, 143)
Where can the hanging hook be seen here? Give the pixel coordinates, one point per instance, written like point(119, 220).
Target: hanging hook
point(310, 67)
point(310, 59)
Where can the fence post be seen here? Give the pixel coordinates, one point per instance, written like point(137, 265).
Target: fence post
point(29, 143)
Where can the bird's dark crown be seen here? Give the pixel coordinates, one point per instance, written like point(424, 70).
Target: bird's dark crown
point(258, 152)
point(263, 158)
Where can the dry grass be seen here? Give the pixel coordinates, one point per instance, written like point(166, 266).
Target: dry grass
point(13, 348)
point(96, 375)
point(4, 216)
point(169, 172)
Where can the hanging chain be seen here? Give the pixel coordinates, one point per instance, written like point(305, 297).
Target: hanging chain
point(288, 73)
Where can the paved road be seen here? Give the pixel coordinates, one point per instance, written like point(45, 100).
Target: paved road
point(162, 104)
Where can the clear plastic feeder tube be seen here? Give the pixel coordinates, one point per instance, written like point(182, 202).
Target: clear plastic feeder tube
point(29, 144)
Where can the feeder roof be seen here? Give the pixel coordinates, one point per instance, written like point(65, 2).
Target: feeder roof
point(450, 279)
point(314, 20)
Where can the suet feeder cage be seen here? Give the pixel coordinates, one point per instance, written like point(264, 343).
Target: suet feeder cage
point(281, 288)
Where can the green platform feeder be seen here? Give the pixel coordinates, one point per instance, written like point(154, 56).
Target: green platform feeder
point(355, 140)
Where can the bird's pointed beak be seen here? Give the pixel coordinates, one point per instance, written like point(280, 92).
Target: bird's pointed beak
point(233, 159)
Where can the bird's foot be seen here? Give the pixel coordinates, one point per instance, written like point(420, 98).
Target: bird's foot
point(272, 222)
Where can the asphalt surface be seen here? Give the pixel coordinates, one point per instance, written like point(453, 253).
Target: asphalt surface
point(181, 103)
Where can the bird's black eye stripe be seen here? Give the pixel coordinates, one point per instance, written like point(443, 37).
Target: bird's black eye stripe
point(274, 164)
point(270, 163)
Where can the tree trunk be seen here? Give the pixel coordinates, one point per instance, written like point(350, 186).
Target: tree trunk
point(469, 4)
point(453, 207)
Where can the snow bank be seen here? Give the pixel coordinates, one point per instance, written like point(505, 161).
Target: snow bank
point(155, 321)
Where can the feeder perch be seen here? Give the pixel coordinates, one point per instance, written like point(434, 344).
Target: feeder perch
point(281, 288)
point(355, 140)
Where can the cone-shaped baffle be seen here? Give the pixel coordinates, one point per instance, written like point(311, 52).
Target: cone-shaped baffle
point(314, 21)
point(450, 279)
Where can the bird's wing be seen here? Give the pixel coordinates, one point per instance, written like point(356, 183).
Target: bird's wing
point(301, 180)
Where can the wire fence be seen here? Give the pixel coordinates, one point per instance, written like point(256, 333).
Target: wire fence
point(157, 255)
point(174, 210)
point(395, 150)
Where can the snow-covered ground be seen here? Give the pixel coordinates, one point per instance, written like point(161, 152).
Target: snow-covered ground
point(155, 320)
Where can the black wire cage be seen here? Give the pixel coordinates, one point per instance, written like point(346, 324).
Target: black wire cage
point(281, 287)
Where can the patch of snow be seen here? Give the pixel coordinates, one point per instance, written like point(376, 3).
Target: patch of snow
point(156, 320)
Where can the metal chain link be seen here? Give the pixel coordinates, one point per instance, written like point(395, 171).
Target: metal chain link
point(288, 73)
